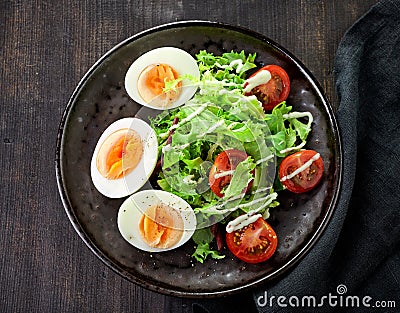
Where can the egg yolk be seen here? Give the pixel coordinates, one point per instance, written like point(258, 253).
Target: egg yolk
point(161, 226)
point(119, 154)
point(151, 84)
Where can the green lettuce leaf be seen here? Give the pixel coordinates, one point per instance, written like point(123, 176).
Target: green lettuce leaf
point(240, 178)
point(203, 251)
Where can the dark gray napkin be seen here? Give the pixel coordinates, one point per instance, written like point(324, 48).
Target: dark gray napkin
point(356, 262)
point(358, 255)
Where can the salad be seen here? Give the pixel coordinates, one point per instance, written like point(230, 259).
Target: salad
point(229, 151)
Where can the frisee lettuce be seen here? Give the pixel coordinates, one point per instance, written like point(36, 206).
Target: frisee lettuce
point(230, 66)
point(240, 178)
point(217, 118)
point(203, 250)
point(202, 238)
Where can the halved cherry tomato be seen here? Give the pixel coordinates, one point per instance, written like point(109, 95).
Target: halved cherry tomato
point(275, 90)
point(301, 171)
point(226, 161)
point(253, 243)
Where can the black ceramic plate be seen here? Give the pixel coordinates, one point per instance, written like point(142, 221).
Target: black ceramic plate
point(100, 99)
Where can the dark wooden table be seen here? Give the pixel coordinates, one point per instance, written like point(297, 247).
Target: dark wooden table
point(45, 48)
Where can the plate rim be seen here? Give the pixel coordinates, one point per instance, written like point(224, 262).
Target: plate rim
point(274, 275)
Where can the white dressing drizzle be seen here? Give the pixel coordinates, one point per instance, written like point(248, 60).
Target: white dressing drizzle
point(239, 64)
point(243, 128)
point(265, 159)
point(189, 117)
point(181, 147)
point(214, 127)
point(169, 147)
point(299, 115)
point(301, 168)
point(260, 190)
point(188, 179)
point(298, 147)
point(262, 77)
point(251, 216)
point(232, 125)
point(241, 221)
point(268, 200)
point(185, 120)
point(224, 173)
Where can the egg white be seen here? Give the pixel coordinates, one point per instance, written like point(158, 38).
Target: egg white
point(122, 187)
point(131, 210)
point(181, 61)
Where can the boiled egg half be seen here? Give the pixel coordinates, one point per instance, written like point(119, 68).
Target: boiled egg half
point(156, 220)
point(146, 77)
point(124, 158)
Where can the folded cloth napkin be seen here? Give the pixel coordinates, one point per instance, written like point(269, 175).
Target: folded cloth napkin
point(355, 265)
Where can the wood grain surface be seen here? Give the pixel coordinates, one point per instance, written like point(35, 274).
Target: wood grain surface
point(45, 49)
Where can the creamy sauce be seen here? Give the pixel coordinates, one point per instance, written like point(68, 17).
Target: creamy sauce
point(161, 226)
point(184, 146)
point(265, 159)
point(167, 148)
point(190, 116)
point(262, 77)
point(119, 154)
point(233, 124)
point(269, 198)
point(298, 147)
point(243, 128)
point(301, 168)
point(188, 179)
point(215, 209)
point(298, 115)
point(239, 64)
point(215, 126)
point(224, 173)
point(251, 216)
point(232, 92)
point(185, 120)
point(241, 221)
point(260, 190)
